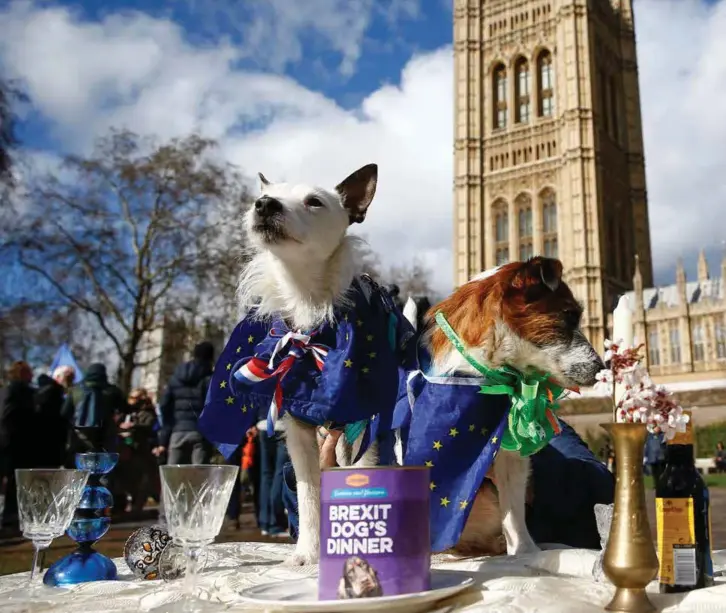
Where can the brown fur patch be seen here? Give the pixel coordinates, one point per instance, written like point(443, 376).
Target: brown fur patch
point(521, 295)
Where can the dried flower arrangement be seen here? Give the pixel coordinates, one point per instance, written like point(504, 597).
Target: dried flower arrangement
point(640, 399)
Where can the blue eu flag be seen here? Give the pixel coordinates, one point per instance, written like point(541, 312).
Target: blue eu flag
point(449, 426)
point(340, 374)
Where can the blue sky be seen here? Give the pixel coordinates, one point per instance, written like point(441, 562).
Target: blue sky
point(312, 90)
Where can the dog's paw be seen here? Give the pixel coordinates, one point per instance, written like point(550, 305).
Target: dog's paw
point(302, 558)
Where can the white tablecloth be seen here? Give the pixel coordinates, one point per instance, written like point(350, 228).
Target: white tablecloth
point(554, 581)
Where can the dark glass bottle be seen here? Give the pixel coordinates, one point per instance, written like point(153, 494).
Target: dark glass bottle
point(683, 520)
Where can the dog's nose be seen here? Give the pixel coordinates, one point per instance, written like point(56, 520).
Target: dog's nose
point(267, 207)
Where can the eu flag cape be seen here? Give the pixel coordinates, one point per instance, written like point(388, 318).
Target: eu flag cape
point(341, 374)
point(449, 425)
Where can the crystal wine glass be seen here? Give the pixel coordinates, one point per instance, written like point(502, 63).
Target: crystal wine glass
point(195, 501)
point(47, 500)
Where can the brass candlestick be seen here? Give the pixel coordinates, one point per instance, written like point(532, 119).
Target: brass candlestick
point(630, 561)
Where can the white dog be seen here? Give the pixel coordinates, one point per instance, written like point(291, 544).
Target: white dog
point(303, 264)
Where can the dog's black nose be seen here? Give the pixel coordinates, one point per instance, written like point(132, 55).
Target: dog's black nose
point(267, 207)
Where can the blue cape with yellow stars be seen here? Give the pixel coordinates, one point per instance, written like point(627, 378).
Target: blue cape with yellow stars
point(448, 425)
point(341, 374)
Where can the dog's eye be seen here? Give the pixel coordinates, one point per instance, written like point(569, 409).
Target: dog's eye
point(314, 203)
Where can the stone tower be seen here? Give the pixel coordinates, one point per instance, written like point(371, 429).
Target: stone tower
point(548, 144)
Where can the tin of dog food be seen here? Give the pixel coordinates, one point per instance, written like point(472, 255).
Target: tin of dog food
point(374, 532)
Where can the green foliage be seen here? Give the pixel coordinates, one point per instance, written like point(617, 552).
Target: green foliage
point(706, 438)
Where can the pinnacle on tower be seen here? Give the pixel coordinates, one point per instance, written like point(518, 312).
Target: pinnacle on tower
point(702, 267)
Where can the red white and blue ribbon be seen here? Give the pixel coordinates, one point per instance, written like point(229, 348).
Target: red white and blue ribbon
point(291, 347)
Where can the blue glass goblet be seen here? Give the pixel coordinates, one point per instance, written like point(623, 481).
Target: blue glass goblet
point(90, 522)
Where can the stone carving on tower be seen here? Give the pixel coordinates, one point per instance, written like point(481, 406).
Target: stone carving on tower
point(548, 149)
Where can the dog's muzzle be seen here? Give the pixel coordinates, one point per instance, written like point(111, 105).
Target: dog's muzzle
point(267, 207)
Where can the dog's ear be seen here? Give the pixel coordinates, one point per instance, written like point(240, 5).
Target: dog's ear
point(357, 191)
point(539, 272)
point(263, 180)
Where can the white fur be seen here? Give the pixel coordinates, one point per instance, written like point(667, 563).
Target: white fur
point(302, 274)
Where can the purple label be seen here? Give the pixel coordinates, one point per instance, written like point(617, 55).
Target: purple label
point(374, 532)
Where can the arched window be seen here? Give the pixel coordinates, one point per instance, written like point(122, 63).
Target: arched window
point(500, 96)
point(522, 90)
point(524, 226)
point(549, 223)
point(546, 84)
point(501, 232)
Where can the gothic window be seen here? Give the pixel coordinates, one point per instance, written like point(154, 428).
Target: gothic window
point(699, 351)
point(721, 338)
point(546, 84)
point(500, 97)
point(614, 109)
point(653, 348)
point(522, 93)
point(549, 223)
point(524, 227)
point(604, 105)
point(674, 335)
point(501, 232)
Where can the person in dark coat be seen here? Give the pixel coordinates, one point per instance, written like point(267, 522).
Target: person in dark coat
point(51, 428)
point(180, 407)
point(18, 434)
point(91, 409)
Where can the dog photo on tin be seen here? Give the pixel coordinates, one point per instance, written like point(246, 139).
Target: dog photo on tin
point(318, 342)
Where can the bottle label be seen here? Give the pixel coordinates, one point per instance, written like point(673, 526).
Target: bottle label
point(676, 541)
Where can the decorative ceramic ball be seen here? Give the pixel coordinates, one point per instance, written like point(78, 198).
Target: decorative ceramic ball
point(143, 550)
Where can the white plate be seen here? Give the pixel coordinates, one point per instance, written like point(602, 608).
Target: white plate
point(302, 595)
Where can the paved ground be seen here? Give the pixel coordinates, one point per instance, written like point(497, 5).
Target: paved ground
point(16, 553)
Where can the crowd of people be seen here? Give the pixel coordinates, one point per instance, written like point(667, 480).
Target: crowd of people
point(44, 424)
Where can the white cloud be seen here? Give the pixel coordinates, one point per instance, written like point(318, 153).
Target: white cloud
point(143, 73)
point(273, 31)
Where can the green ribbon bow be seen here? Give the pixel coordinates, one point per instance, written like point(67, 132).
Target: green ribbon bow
point(532, 422)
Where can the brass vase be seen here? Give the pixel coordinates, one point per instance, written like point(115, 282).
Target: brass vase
point(630, 561)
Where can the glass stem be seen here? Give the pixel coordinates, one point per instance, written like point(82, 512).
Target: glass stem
point(190, 577)
point(36, 576)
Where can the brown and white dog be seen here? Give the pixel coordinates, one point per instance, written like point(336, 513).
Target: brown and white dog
point(523, 315)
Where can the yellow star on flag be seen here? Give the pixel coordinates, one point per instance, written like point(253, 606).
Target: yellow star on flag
point(453, 432)
point(463, 504)
point(365, 370)
point(345, 317)
point(229, 366)
point(222, 384)
point(372, 355)
point(239, 349)
point(250, 339)
point(445, 502)
point(432, 486)
point(483, 431)
point(230, 400)
point(244, 408)
point(429, 464)
point(472, 428)
point(494, 439)
point(359, 322)
point(437, 445)
point(348, 363)
point(369, 338)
